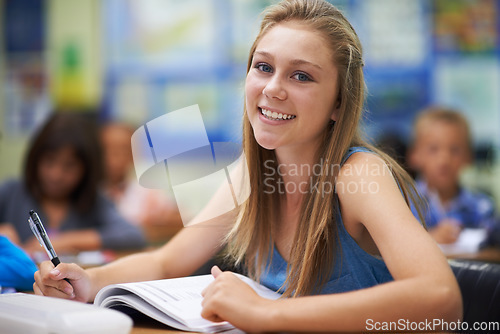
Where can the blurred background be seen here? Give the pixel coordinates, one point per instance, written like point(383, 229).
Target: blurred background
point(132, 61)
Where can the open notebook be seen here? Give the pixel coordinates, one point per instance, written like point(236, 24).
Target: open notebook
point(175, 302)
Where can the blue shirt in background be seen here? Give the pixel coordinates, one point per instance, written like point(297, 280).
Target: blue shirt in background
point(16, 268)
point(470, 209)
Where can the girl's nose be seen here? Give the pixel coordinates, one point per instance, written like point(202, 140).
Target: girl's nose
point(274, 89)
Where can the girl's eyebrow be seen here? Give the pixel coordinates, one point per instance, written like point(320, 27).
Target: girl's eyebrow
point(293, 61)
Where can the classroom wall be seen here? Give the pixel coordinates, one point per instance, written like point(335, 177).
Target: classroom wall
point(67, 66)
point(136, 60)
point(74, 52)
point(11, 148)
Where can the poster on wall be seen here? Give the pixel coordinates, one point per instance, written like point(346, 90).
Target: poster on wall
point(394, 32)
point(395, 35)
point(467, 63)
point(27, 101)
point(465, 26)
point(471, 86)
point(162, 34)
point(26, 97)
point(166, 55)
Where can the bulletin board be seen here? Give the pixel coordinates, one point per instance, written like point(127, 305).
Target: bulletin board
point(165, 55)
point(417, 53)
point(26, 96)
point(423, 52)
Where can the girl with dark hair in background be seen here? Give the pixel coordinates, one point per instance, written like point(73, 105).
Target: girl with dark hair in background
point(62, 173)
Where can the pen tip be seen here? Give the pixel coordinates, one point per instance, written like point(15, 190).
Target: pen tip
point(32, 212)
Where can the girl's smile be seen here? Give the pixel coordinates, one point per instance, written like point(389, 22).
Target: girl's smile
point(274, 116)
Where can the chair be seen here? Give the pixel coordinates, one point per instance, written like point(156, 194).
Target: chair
point(480, 286)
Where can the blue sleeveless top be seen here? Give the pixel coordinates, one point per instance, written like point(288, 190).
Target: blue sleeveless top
point(354, 268)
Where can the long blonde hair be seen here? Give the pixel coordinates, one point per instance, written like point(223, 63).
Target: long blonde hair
point(312, 258)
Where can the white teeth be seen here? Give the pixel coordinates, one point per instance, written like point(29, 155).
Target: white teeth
point(276, 116)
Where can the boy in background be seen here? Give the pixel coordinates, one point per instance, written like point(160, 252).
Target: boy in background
point(441, 149)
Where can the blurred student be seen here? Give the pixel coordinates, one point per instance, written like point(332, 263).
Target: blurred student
point(441, 150)
point(62, 174)
point(16, 268)
point(136, 203)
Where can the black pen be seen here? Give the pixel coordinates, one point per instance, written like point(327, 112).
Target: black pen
point(40, 233)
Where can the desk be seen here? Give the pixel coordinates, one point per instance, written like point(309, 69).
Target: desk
point(491, 255)
point(144, 329)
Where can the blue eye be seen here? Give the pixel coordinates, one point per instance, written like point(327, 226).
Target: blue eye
point(302, 77)
point(264, 67)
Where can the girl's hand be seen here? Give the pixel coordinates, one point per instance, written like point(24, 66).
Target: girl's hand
point(230, 299)
point(49, 281)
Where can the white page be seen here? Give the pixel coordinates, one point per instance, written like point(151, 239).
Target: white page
point(144, 307)
point(180, 298)
point(468, 242)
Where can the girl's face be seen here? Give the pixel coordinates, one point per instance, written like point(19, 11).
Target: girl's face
point(59, 173)
point(291, 88)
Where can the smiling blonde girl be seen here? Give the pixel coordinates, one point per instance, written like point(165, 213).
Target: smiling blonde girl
point(346, 257)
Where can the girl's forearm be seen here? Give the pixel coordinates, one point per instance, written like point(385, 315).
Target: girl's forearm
point(412, 300)
point(181, 256)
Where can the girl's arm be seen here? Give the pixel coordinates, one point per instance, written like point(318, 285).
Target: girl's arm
point(181, 256)
point(186, 252)
point(424, 286)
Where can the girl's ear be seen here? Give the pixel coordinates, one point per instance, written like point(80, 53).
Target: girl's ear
point(336, 110)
